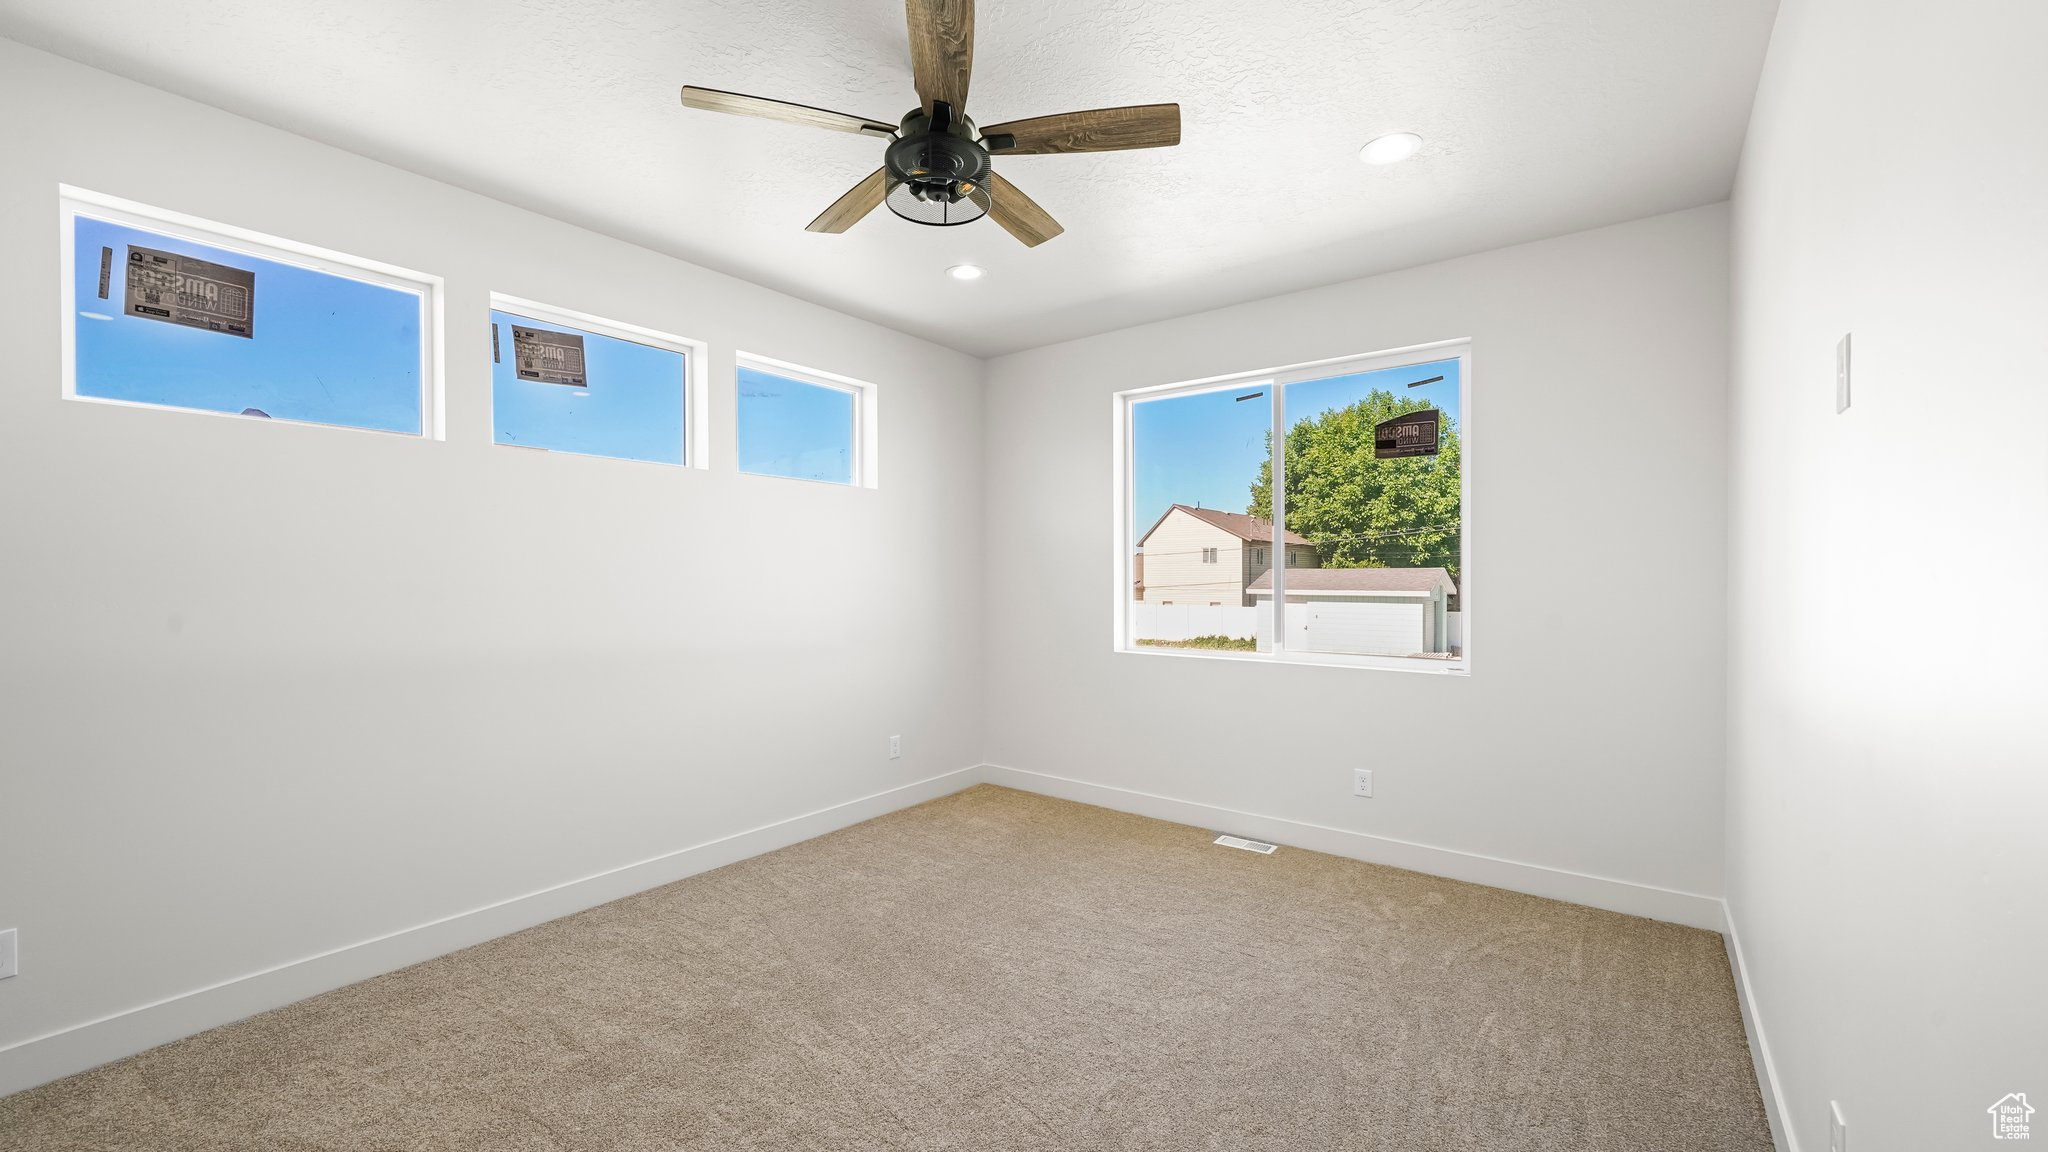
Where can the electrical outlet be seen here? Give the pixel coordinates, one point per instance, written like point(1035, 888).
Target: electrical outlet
point(1838, 1128)
point(1361, 783)
point(1842, 376)
point(8, 966)
point(895, 747)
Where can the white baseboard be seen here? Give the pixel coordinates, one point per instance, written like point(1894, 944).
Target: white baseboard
point(40, 1059)
point(1782, 1136)
point(1644, 900)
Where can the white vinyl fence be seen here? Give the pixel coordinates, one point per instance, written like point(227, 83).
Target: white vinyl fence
point(1187, 621)
point(1388, 628)
point(1373, 628)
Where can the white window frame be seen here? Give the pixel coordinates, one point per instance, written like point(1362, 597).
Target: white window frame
point(1275, 381)
point(866, 470)
point(75, 202)
point(696, 374)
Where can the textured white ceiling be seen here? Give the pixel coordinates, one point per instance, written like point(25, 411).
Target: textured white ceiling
point(1540, 116)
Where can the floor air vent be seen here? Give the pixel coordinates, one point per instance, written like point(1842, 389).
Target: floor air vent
point(1259, 846)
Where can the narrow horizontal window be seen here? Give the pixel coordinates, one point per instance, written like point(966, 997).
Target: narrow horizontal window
point(566, 383)
point(170, 313)
point(804, 425)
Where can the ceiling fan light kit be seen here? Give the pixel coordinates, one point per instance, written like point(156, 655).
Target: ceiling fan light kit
point(938, 168)
point(938, 171)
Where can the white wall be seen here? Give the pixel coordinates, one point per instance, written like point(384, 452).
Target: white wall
point(1592, 750)
point(270, 691)
point(1888, 789)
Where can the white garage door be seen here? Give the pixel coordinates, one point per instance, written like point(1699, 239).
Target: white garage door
point(1375, 629)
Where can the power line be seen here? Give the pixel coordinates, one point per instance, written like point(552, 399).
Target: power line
point(1450, 531)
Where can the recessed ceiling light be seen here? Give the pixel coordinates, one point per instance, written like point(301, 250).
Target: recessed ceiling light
point(966, 272)
point(1388, 149)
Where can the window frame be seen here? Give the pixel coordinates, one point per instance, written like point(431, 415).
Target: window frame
point(696, 374)
point(1123, 536)
point(866, 469)
point(73, 202)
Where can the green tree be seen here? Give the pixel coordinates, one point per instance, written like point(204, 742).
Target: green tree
point(1361, 512)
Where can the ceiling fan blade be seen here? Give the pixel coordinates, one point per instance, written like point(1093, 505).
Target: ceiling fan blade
point(859, 200)
point(1019, 214)
point(1097, 130)
point(712, 100)
point(941, 50)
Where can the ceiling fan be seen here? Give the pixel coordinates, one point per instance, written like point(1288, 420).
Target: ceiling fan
point(936, 169)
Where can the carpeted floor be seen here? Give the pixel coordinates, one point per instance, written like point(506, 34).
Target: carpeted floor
point(993, 970)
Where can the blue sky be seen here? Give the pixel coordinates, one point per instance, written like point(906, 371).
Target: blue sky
point(632, 409)
point(791, 428)
point(326, 349)
point(1206, 449)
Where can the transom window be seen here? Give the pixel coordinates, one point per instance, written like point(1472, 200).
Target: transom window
point(567, 382)
point(804, 424)
point(1364, 512)
point(168, 311)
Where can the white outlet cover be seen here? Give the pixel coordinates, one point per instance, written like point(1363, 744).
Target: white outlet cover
point(895, 747)
point(8, 966)
point(1361, 782)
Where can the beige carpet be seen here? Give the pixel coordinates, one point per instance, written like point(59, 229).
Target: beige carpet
point(992, 970)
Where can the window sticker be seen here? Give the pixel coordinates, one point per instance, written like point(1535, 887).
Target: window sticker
point(1415, 434)
point(549, 357)
point(191, 292)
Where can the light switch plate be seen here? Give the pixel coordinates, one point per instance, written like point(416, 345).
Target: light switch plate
point(1842, 375)
point(8, 966)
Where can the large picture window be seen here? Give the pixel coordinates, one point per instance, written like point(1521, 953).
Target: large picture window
point(165, 311)
point(1369, 562)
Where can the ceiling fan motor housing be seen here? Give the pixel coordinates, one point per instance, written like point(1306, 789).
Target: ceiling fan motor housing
point(938, 174)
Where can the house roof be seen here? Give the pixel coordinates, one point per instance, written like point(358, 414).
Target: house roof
point(1236, 523)
point(1408, 580)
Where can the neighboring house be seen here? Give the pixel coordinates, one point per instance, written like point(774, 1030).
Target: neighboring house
point(1138, 577)
point(1205, 557)
point(1376, 611)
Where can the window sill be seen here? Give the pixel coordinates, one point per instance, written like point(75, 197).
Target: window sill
point(575, 455)
point(812, 480)
point(1459, 668)
point(151, 406)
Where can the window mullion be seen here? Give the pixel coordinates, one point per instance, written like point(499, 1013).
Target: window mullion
point(1279, 511)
